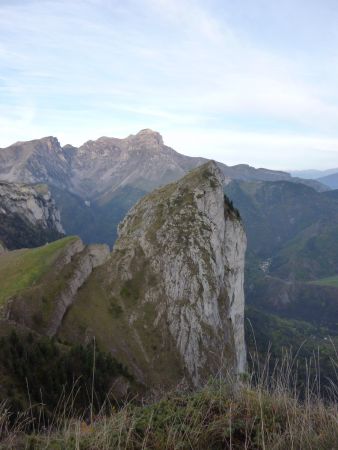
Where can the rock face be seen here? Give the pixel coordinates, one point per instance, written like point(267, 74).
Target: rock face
point(173, 286)
point(28, 216)
point(195, 246)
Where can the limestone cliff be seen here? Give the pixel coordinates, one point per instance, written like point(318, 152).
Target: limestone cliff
point(28, 216)
point(173, 287)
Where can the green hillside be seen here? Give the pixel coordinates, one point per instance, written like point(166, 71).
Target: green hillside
point(21, 269)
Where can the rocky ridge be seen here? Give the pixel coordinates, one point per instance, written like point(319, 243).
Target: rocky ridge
point(95, 184)
point(98, 168)
point(42, 305)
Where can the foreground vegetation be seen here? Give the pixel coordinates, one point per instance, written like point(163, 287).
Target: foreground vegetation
point(263, 411)
point(38, 373)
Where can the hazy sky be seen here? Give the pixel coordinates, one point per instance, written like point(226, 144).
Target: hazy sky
point(240, 81)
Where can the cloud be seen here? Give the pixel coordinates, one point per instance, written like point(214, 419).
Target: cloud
point(281, 151)
point(194, 70)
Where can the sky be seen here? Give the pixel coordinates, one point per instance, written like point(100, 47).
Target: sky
point(239, 81)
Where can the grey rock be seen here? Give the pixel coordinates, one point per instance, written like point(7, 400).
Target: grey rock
point(193, 244)
point(28, 215)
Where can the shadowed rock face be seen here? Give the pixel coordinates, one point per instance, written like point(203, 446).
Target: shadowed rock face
point(173, 286)
point(28, 216)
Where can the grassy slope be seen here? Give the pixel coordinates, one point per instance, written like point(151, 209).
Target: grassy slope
point(21, 269)
point(104, 308)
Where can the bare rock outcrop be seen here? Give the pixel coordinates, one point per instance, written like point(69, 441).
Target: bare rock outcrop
point(194, 244)
point(28, 216)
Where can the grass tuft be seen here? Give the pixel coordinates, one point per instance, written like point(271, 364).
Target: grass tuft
point(258, 411)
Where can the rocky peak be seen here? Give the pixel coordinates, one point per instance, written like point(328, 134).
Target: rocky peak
point(147, 137)
point(35, 145)
point(175, 282)
point(52, 143)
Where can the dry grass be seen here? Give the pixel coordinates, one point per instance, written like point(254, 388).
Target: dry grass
point(263, 411)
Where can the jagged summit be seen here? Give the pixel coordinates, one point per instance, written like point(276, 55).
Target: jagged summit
point(108, 174)
point(148, 136)
point(102, 167)
point(26, 149)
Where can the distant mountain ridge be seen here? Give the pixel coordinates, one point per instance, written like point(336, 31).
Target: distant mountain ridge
point(292, 246)
point(95, 184)
point(97, 169)
point(313, 174)
point(327, 177)
point(330, 180)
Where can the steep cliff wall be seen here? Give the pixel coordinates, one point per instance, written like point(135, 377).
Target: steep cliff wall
point(173, 287)
point(28, 216)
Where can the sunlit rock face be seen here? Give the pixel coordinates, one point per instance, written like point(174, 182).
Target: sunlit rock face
point(180, 252)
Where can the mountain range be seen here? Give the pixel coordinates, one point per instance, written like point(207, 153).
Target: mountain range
point(96, 183)
point(327, 177)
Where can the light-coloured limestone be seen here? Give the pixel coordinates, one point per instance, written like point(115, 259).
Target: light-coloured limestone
point(195, 245)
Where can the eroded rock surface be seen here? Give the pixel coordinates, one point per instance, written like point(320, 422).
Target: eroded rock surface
point(173, 287)
point(194, 245)
point(28, 216)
